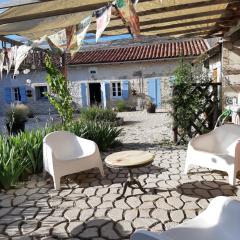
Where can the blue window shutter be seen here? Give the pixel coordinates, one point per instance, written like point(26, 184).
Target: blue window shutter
point(23, 96)
point(84, 94)
point(8, 95)
point(107, 90)
point(158, 89)
point(125, 89)
point(152, 90)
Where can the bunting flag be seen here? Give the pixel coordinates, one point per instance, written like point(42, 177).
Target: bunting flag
point(128, 14)
point(20, 55)
point(2, 56)
point(79, 35)
point(11, 52)
point(103, 16)
point(57, 41)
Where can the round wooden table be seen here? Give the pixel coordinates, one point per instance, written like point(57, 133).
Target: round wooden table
point(129, 160)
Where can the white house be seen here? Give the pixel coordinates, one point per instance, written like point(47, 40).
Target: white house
point(106, 74)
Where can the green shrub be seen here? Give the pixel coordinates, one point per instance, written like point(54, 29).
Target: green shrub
point(17, 114)
point(98, 114)
point(121, 106)
point(12, 164)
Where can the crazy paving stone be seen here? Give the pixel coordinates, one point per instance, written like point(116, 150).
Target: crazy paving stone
point(124, 228)
point(143, 222)
point(115, 214)
point(177, 216)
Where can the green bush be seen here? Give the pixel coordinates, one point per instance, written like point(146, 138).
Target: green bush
point(121, 106)
point(102, 133)
point(98, 114)
point(17, 113)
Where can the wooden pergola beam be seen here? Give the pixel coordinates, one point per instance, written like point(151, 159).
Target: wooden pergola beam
point(92, 7)
point(183, 24)
point(17, 3)
point(179, 32)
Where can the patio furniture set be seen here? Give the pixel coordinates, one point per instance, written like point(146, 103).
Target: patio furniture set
point(65, 153)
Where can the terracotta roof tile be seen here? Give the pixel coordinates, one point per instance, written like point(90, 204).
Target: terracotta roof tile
point(171, 49)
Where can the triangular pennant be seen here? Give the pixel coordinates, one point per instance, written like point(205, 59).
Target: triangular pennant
point(20, 55)
point(58, 41)
point(79, 35)
point(127, 12)
point(103, 16)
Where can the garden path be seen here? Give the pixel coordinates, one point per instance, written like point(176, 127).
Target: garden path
point(86, 206)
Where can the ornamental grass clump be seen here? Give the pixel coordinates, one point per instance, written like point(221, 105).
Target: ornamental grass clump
point(12, 165)
point(98, 114)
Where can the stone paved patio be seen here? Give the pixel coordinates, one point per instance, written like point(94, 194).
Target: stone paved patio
point(86, 207)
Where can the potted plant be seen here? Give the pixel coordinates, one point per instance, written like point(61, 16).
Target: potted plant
point(150, 106)
point(16, 117)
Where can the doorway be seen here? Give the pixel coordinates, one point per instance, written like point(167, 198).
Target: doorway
point(95, 94)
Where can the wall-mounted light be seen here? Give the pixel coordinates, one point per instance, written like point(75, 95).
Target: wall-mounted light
point(28, 82)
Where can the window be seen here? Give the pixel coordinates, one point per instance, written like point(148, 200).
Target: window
point(116, 89)
point(16, 94)
point(40, 92)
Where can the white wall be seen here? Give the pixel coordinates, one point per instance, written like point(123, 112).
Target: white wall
point(78, 73)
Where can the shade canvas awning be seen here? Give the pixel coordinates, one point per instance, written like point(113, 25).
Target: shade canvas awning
point(166, 18)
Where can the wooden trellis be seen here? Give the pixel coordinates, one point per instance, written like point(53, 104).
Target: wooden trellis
point(204, 119)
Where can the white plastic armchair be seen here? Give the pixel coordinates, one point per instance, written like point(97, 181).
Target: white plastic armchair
point(220, 221)
point(219, 149)
point(64, 153)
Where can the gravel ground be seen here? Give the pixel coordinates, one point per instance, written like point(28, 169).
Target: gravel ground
point(86, 206)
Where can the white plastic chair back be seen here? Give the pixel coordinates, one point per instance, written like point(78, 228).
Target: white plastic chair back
point(64, 145)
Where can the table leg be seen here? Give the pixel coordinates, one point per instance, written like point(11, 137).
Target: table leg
point(129, 183)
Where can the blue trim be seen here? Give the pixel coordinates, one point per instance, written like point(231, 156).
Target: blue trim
point(125, 89)
point(105, 87)
point(154, 90)
point(23, 96)
point(8, 95)
point(84, 94)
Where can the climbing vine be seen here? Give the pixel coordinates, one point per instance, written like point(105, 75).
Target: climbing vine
point(189, 103)
point(59, 94)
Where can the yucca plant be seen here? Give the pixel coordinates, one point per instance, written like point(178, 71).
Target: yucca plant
point(12, 165)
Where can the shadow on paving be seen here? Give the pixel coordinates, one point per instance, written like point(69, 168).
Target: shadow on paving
point(112, 176)
point(206, 189)
point(101, 228)
point(127, 123)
